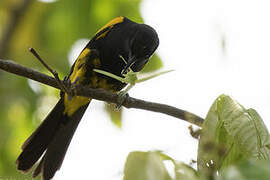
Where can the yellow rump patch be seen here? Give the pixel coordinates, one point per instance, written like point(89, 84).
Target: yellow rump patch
point(72, 104)
point(112, 23)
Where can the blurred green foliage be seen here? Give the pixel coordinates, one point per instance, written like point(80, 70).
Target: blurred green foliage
point(145, 166)
point(234, 144)
point(52, 29)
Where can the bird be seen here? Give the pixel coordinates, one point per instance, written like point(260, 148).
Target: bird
point(119, 39)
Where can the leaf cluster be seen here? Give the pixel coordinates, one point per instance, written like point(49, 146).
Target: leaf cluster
point(234, 144)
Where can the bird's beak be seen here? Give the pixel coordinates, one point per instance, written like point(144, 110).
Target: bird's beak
point(130, 62)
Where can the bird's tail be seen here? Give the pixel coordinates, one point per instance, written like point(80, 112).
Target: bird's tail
point(53, 136)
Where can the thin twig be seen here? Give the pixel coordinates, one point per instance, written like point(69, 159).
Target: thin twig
point(103, 95)
point(54, 73)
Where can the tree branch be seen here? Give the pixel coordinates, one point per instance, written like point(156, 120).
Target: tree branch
point(101, 94)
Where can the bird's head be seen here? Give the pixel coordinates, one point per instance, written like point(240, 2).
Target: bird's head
point(142, 46)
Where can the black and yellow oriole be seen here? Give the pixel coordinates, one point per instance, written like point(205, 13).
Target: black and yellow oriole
point(120, 38)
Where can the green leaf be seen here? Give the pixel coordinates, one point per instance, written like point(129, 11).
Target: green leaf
point(184, 171)
point(263, 135)
point(153, 64)
point(231, 133)
point(145, 166)
point(207, 150)
point(115, 115)
point(248, 170)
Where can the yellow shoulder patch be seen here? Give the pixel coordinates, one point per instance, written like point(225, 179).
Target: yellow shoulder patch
point(78, 70)
point(112, 23)
point(87, 59)
point(102, 35)
point(84, 53)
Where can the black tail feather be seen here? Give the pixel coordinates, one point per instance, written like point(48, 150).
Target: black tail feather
point(53, 136)
point(37, 143)
point(57, 149)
